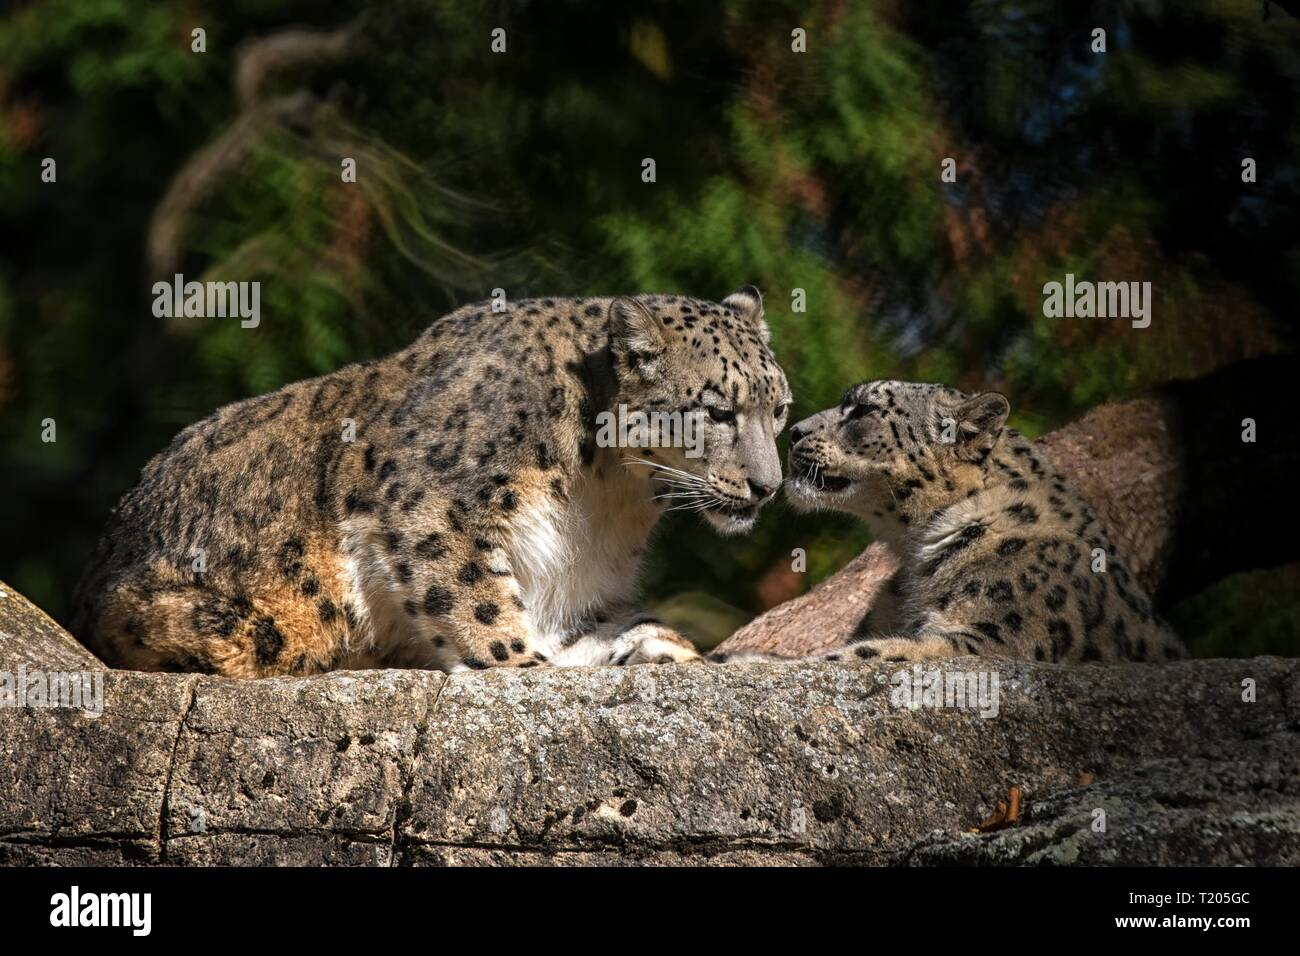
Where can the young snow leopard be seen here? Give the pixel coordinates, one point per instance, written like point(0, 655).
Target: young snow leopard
point(448, 506)
point(997, 552)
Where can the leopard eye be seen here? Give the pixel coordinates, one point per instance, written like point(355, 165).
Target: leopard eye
point(780, 410)
point(721, 414)
point(857, 411)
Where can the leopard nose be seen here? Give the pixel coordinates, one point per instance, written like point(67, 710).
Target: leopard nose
point(760, 491)
point(797, 433)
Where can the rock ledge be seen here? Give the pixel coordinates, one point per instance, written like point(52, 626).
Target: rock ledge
point(759, 763)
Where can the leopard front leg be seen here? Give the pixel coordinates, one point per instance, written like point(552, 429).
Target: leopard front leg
point(879, 648)
point(865, 648)
point(463, 601)
point(924, 646)
point(467, 601)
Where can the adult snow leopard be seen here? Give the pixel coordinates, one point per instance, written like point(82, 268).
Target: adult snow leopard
point(448, 506)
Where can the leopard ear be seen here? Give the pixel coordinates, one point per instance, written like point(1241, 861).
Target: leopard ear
point(980, 420)
point(748, 301)
point(636, 331)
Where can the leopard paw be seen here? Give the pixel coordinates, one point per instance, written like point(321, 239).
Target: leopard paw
point(652, 643)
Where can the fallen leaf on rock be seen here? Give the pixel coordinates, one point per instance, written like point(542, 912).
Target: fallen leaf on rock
point(1006, 813)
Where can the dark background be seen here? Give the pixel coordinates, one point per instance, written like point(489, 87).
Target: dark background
point(817, 171)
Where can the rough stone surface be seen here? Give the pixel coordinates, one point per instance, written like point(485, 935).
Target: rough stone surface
point(326, 759)
point(74, 782)
point(29, 637)
point(758, 763)
point(807, 760)
point(1238, 806)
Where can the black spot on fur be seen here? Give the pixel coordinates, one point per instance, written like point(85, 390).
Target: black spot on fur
point(1000, 591)
point(355, 503)
point(486, 613)
point(1062, 638)
point(327, 610)
point(214, 617)
point(1024, 513)
point(1011, 546)
point(1055, 598)
point(289, 558)
point(268, 642)
point(431, 547)
point(1031, 578)
point(438, 601)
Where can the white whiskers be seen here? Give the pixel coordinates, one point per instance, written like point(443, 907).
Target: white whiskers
point(687, 492)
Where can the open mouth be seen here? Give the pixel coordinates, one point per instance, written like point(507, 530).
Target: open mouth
point(833, 482)
point(813, 477)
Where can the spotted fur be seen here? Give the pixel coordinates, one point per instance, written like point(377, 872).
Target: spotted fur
point(997, 551)
point(472, 521)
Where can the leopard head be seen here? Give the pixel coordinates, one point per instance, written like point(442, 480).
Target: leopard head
point(705, 368)
point(892, 451)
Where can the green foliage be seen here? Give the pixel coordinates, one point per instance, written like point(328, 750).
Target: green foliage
point(1244, 615)
point(815, 171)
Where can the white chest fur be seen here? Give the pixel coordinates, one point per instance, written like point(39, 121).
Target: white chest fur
point(573, 558)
